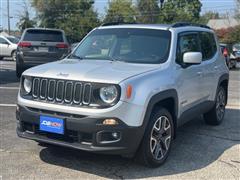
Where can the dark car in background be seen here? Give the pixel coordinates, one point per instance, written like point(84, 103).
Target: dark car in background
point(40, 45)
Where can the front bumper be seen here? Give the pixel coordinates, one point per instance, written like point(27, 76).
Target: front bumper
point(81, 132)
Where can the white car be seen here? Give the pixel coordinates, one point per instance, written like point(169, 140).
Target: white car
point(8, 47)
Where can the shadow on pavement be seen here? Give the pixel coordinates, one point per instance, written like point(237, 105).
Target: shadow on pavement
point(197, 145)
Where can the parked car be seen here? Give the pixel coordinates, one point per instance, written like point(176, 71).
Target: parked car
point(235, 52)
point(40, 45)
point(8, 47)
point(226, 50)
point(125, 89)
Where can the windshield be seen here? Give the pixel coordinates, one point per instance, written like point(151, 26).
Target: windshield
point(13, 40)
point(126, 44)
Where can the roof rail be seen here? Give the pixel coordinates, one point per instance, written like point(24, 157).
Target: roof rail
point(182, 24)
point(117, 23)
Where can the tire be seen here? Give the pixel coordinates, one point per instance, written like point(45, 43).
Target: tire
point(157, 140)
point(216, 115)
point(19, 70)
point(1, 58)
point(14, 55)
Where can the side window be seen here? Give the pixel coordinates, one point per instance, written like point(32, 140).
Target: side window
point(3, 41)
point(208, 45)
point(187, 43)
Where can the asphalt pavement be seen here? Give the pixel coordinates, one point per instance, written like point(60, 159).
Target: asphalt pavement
point(199, 151)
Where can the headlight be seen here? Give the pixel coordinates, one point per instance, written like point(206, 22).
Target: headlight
point(108, 94)
point(27, 85)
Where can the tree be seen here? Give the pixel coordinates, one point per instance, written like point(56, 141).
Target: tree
point(230, 35)
point(180, 10)
point(148, 10)
point(76, 17)
point(207, 16)
point(25, 21)
point(237, 11)
point(120, 11)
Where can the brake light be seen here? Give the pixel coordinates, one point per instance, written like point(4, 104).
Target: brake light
point(62, 45)
point(225, 52)
point(24, 44)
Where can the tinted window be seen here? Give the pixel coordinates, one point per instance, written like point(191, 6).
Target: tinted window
point(125, 44)
point(43, 35)
point(13, 40)
point(208, 45)
point(187, 43)
point(3, 41)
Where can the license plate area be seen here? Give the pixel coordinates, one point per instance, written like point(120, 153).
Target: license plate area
point(42, 49)
point(51, 124)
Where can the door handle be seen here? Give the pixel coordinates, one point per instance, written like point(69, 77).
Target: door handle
point(215, 67)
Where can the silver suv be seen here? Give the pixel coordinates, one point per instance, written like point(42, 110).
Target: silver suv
point(125, 89)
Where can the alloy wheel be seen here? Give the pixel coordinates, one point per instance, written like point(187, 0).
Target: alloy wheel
point(220, 104)
point(160, 138)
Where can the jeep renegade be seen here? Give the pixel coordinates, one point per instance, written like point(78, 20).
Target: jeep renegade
point(125, 89)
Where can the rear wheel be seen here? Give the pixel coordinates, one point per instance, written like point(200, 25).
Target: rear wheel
point(216, 114)
point(19, 70)
point(14, 55)
point(157, 139)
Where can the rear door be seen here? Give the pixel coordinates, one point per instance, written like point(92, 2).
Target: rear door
point(209, 64)
point(44, 45)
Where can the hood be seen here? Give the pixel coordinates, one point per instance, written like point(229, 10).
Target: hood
point(90, 70)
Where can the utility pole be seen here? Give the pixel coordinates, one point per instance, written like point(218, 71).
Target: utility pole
point(8, 16)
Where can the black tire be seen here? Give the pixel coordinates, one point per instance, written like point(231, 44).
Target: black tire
point(1, 58)
point(216, 115)
point(19, 70)
point(155, 155)
point(14, 55)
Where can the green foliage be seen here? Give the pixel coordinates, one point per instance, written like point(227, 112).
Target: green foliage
point(148, 10)
point(230, 35)
point(75, 17)
point(120, 11)
point(24, 19)
point(180, 10)
point(25, 22)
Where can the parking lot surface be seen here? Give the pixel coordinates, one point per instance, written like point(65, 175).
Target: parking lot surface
point(199, 151)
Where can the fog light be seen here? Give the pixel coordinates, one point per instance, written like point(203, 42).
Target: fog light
point(110, 122)
point(104, 137)
point(115, 135)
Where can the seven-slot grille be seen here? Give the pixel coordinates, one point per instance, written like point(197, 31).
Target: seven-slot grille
point(62, 91)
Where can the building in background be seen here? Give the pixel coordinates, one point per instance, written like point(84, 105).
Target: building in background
point(223, 23)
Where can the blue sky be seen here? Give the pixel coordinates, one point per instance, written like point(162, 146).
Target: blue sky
point(16, 7)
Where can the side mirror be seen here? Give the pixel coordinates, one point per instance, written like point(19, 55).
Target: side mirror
point(192, 58)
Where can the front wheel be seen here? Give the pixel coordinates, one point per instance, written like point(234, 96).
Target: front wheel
point(157, 139)
point(216, 114)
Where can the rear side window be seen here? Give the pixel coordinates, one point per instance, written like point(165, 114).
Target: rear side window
point(43, 35)
point(187, 43)
point(208, 45)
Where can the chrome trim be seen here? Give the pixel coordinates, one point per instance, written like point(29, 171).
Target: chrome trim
point(57, 99)
point(41, 97)
point(65, 93)
point(90, 93)
point(35, 95)
point(54, 85)
point(80, 93)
